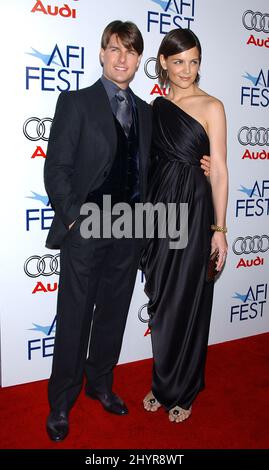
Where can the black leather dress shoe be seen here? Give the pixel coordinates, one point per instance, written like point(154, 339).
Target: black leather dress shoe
point(110, 401)
point(57, 425)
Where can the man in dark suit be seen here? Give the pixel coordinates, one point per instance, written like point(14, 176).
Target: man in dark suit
point(99, 145)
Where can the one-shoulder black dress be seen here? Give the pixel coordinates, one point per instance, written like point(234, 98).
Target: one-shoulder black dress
point(180, 298)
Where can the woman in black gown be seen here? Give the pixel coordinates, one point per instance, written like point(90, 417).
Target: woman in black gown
point(187, 124)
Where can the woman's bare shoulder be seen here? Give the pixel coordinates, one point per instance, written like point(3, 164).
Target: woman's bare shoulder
point(214, 112)
point(212, 103)
point(207, 99)
point(211, 107)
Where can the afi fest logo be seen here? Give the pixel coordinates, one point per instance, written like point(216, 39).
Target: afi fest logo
point(256, 22)
point(256, 202)
point(251, 249)
point(39, 217)
point(257, 93)
point(41, 346)
point(252, 136)
point(61, 69)
point(63, 10)
point(36, 129)
point(165, 15)
point(251, 304)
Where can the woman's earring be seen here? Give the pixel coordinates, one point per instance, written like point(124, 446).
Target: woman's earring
point(164, 75)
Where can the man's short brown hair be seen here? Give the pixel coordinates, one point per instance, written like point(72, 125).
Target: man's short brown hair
point(127, 32)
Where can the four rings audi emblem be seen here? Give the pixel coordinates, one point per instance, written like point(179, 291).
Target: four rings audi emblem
point(45, 265)
point(36, 129)
point(150, 68)
point(247, 245)
point(253, 136)
point(256, 20)
point(143, 316)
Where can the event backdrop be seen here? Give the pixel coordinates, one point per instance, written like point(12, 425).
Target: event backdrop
point(49, 46)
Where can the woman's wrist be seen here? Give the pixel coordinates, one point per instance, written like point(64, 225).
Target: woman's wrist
point(218, 228)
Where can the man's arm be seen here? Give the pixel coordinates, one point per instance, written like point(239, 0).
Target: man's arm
point(205, 164)
point(60, 161)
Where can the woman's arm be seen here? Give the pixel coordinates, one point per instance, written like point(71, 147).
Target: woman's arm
point(218, 174)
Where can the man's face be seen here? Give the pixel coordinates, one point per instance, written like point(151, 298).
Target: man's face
point(119, 63)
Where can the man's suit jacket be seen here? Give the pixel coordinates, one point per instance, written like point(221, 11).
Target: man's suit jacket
point(81, 149)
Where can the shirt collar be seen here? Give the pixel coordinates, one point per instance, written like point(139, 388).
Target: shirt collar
point(111, 88)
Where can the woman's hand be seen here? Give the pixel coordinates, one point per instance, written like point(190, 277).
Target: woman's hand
point(219, 242)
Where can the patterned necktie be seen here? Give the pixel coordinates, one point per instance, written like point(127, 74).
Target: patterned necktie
point(124, 111)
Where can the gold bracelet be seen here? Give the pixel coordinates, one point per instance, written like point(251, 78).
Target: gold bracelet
point(217, 228)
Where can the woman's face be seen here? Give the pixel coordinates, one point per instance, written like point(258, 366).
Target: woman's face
point(182, 68)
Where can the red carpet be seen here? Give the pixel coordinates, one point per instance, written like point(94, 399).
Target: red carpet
point(231, 413)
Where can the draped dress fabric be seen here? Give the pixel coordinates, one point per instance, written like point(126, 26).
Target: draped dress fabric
point(180, 298)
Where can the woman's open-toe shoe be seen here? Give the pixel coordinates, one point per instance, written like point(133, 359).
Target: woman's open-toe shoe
point(178, 414)
point(150, 403)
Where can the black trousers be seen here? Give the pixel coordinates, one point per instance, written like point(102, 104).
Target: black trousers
point(95, 289)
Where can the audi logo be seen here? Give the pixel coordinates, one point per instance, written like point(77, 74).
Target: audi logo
point(36, 129)
point(144, 318)
point(256, 20)
point(45, 265)
point(247, 245)
point(253, 136)
point(150, 69)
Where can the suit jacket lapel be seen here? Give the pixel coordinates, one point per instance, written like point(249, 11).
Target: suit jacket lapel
point(143, 142)
point(103, 115)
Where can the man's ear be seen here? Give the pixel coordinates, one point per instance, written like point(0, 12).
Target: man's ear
point(101, 56)
point(138, 61)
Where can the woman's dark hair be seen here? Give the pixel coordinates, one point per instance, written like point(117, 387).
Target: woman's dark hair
point(127, 32)
point(176, 41)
